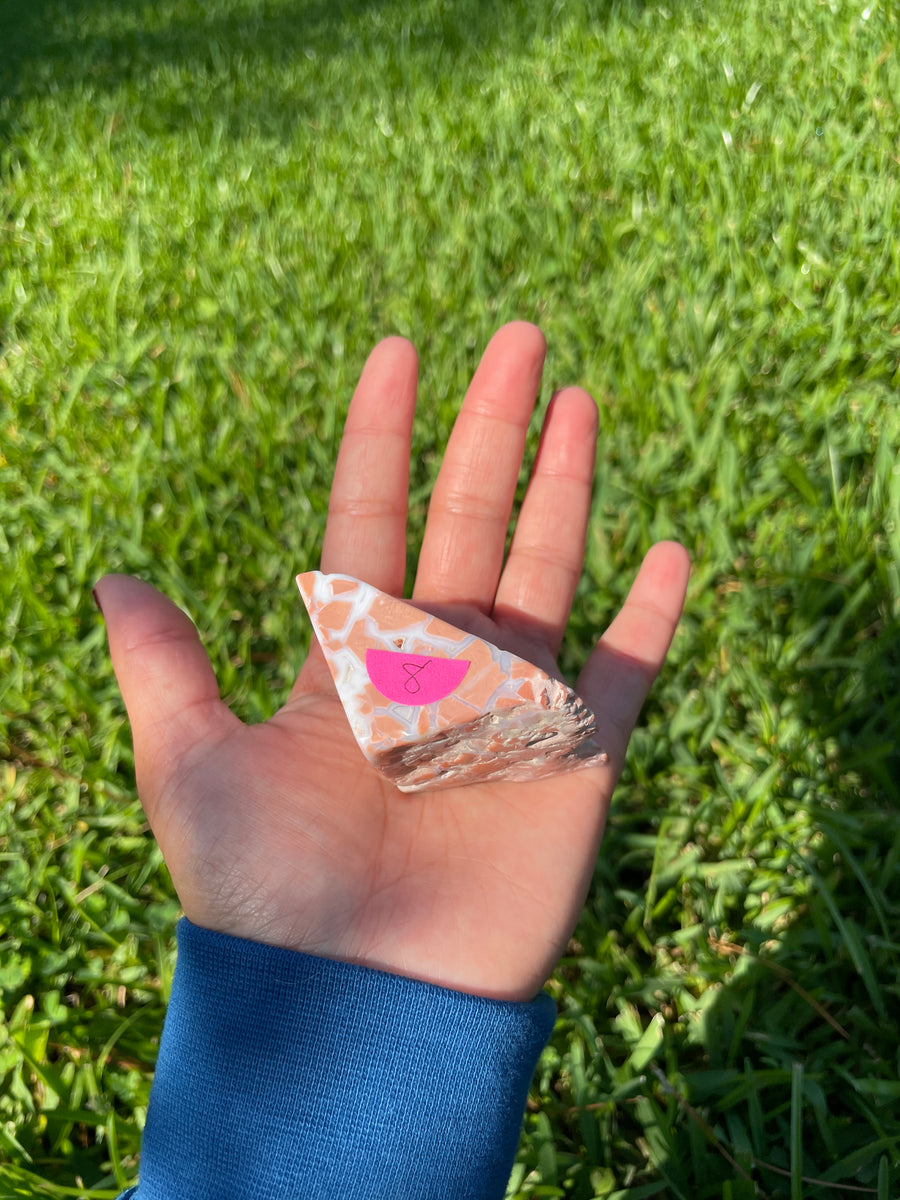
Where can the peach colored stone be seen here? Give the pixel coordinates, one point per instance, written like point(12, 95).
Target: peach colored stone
point(505, 719)
point(344, 585)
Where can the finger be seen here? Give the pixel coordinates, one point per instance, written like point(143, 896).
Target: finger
point(626, 660)
point(365, 535)
point(465, 535)
point(166, 678)
point(547, 553)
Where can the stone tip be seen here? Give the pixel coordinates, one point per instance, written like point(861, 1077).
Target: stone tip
point(305, 582)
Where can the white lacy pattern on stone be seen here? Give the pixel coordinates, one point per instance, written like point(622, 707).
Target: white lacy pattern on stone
point(502, 717)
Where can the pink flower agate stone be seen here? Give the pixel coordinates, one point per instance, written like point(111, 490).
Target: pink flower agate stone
point(432, 706)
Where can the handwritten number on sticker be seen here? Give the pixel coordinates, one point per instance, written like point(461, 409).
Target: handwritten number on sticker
point(412, 684)
point(402, 677)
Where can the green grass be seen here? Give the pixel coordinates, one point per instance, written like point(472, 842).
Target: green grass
point(209, 214)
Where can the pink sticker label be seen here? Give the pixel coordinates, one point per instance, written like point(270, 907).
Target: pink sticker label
point(414, 678)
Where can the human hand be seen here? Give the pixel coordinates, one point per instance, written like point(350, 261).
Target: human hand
point(282, 832)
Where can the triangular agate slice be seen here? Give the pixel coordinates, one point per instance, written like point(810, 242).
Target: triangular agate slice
point(432, 706)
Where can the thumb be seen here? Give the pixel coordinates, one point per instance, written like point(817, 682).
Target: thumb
point(165, 675)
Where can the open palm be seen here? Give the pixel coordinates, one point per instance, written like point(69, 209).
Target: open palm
point(282, 832)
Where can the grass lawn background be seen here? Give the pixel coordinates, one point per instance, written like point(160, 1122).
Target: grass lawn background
point(210, 212)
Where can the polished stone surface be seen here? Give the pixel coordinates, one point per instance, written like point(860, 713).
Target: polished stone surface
point(433, 706)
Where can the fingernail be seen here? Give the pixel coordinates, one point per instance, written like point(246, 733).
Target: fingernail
point(97, 600)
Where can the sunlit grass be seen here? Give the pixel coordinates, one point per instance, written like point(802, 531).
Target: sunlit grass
point(210, 213)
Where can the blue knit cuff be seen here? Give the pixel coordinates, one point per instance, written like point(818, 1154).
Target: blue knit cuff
point(282, 1075)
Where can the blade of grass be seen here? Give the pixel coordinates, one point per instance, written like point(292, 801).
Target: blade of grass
point(797, 1131)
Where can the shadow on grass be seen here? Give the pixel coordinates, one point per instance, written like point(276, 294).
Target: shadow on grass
point(777, 1074)
point(112, 44)
point(800, 1078)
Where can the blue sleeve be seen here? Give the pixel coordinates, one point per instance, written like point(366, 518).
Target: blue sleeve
point(282, 1075)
